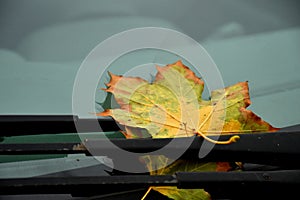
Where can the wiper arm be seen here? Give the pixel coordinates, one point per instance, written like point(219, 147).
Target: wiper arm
point(218, 184)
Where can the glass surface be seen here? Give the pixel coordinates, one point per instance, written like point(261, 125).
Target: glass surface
point(42, 44)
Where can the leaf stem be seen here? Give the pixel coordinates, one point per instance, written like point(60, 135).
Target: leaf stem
point(145, 195)
point(231, 139)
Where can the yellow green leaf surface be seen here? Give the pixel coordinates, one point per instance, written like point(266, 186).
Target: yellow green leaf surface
point(172, 106)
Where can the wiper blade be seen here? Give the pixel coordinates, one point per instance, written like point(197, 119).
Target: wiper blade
point(280, 148)
point(218, 184)
point(15, 125)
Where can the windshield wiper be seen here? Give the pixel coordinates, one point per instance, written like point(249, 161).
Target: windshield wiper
point(15, 125)
point(262, 184)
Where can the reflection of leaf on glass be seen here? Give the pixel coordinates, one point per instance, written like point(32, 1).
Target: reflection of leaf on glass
point(172, 106)
point(160, 162)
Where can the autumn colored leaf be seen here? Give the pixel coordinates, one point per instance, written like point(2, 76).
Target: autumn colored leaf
point(172, 106)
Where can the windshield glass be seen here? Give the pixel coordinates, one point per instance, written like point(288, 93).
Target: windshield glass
point(43, 43)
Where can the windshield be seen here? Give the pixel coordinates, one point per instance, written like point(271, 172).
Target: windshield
point(43, 43)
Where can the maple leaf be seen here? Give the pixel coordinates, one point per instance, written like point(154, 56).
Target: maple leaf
point(172, 106)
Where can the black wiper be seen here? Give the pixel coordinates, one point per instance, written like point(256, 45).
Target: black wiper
point(280, 148)
point(247, 185)
point(14, 125)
